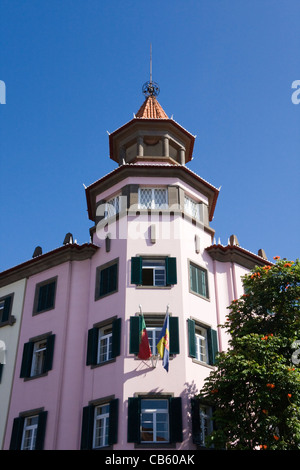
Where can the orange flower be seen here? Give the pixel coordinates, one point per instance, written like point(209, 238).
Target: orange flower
point(265, 412)
point(289, 395)
point(263, 446)
point(287, 265)
point(270, 385)
point(276, 257)
point(276, 437)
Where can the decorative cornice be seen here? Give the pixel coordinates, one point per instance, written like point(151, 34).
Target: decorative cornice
point(236, 254)
point(63, 254)
point(158, 171)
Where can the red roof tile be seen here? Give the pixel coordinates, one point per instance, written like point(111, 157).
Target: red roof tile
point(151, 109)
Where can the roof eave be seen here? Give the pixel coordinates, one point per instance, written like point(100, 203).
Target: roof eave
point(69, 252)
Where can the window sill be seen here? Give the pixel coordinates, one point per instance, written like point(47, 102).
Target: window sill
point(11, 320)
point(209, 366)
point(200, 296)
point(108, 447)
point(44, 374)
point(167, 445)
point(101, 364)
point(35, 312)
point(105, 295)
point(153, 287)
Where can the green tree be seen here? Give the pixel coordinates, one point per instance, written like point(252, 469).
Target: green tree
point(255, 387)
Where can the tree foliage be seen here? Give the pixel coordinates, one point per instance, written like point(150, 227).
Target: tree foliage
point(255, 387)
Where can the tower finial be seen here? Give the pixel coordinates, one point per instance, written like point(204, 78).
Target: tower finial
point(150, 88)
point(150, 63)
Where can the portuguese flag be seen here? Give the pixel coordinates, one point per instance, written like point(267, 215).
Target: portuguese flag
point(144, 347)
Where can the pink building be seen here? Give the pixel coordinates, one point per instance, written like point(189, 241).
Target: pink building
point(78, 381)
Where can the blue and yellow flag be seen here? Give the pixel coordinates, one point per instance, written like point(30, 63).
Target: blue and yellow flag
point(163, 343)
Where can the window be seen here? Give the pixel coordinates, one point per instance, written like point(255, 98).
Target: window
point(106, 279)
point(202, 422)
point(205, 422)
point(5, 310)
point(154, 420)
point(104, 342)
point(44, 296)
point(157, 272)
point(100, 424)
point(28, 432)
point(37, 356)
point(112, 207)
point(203, 343)
point(153, 198)
point(198, 280)
point(191, 207)
point(154, 325)
point(153, 336)
point(153, 272)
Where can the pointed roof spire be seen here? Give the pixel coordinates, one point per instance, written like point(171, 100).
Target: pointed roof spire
point(151, 109)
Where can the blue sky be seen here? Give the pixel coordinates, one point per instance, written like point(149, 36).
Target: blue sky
point(74, 70)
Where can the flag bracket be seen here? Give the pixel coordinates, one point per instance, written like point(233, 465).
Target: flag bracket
point(154, 359)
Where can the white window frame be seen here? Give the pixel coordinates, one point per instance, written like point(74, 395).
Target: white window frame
point(153, 335)
point(154, 411)
point(101, 423)
point(191, 207)
point(206, 425)
point(104, 342)
point(152, 203)
point(29, 433)
point(112, 207)
point(157, 265)
point(201, 344)
point(38, 357)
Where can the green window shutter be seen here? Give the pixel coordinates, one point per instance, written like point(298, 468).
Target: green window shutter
point(16, 435)
point(92, 346)
point(87, 428)
point(134, 339)
point(113, 422)
point(26, 359)
point(46, 296)
point(41, 430)
point(175, 410)
point(212, 345)
point(136, 270)
point(49, 353)
point(134, 411)
point(116, 337)
point(196, 431)
point(171, 271)
point(108, 280)
point(192, 338)
point(7, 308)
point(174, 335)
point(112, 277)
